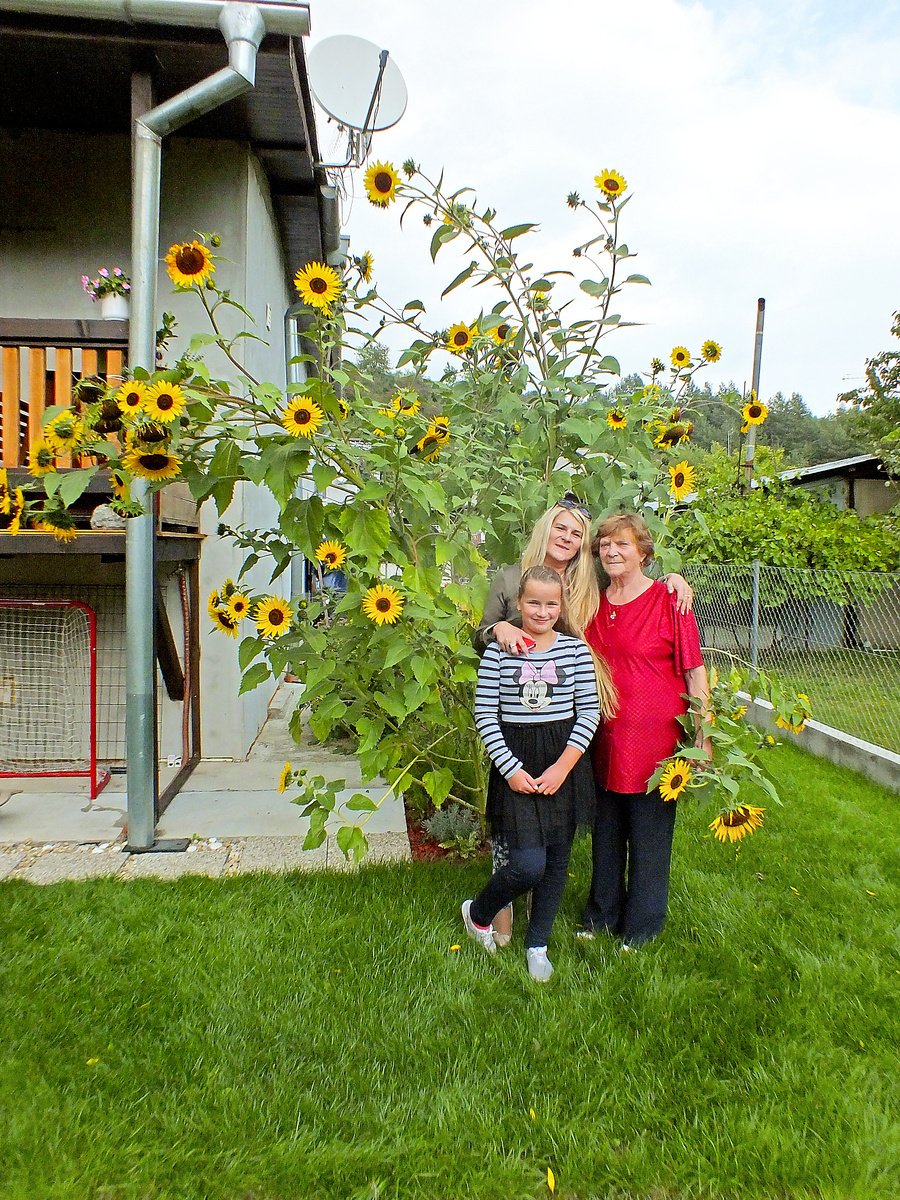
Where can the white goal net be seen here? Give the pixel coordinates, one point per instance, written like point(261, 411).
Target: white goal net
point(46, 719)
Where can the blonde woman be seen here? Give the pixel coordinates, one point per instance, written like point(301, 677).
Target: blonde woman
point(560, 541)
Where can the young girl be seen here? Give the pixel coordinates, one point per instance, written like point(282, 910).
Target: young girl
point(537, 716)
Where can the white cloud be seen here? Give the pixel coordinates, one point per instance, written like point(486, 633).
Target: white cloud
point(759, 146)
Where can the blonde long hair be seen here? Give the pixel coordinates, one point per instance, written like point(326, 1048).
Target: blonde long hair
point(581, 591)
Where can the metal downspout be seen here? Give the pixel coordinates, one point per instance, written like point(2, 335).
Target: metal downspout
point(243, 27)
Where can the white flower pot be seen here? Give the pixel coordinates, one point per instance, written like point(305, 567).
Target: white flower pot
point(114, 308)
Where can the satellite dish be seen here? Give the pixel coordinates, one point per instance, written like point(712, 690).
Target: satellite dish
point(356, 83)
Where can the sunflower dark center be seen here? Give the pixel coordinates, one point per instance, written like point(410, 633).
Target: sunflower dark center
point(133, 399)
point(460, 338)
point(676, 781)
point(276, 616)
point(754, 410)
point(612, 185)
point(154, 462)
point(383, 604)
point(318, 285)
point(302, 416)
point(382, 182)
point(331, 558)
point(738, 816)
point(165, 401)
point(679, 479)
point(189, 260)
point(502, 332)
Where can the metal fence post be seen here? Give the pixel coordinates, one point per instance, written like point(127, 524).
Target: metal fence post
point(754, 619)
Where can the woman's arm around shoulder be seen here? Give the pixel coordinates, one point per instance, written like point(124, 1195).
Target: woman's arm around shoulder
point(500, 605)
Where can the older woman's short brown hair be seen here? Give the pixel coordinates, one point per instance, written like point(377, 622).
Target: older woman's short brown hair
point(635, 525)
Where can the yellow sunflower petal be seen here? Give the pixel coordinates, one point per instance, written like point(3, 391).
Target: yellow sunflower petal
point(610, 183)
point(318, 285)
point(460, 338)
point(381, 182)
point(332, 554)
point(273, 616)
point(302, 417)
point(682, 480)
point(164, 402)
point(674, 779)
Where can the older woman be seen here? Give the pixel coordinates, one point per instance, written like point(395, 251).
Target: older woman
point(561, 541)
point(653, 653)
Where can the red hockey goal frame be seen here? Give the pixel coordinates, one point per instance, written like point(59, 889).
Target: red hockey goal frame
point(98, 776)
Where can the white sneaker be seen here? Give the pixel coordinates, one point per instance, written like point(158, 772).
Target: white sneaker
point(539, 966)
point(484, 937)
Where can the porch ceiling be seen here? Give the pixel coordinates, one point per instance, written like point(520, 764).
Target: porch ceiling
point(68, 74)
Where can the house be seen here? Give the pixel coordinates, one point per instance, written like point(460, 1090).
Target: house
point(861, 483)
point(72, 78)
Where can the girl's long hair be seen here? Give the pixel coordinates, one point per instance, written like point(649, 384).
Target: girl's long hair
point(581, 591)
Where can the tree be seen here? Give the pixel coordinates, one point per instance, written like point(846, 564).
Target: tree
point(879, 401)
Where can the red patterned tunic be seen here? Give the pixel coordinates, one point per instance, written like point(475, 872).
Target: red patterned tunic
point(648, 647)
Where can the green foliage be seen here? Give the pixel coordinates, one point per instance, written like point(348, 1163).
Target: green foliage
point(455, 828)
point(879, 400)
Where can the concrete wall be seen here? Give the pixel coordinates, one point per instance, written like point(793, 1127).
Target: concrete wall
point(66, 201)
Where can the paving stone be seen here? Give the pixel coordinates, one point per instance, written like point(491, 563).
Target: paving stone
point(279, 854)
point(176, 866)
point(9, 860)
point(61, 865)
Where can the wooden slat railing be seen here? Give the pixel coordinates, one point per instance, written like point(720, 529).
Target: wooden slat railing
point(39, 363)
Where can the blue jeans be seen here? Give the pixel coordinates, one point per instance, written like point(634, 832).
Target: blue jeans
point(540, 870)
point(632, 852)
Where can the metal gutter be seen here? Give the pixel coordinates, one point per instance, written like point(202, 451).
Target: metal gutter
point(279, 16)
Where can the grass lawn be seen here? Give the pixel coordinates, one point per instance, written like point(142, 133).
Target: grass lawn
point(853, 691)
point(272, 1038)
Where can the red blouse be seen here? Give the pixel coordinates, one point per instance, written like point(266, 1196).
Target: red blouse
point(648, 647)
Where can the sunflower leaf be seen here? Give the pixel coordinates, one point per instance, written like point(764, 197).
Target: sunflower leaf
point(367, 530)
point(74, 483)
point(323, 476)
point(443, 233)
point(637, 279)
point(438, 784)
point(464, 274)
point(359, 802)
point(594, 287)
point(514, 231)
point(248, 650)
point(257, 674)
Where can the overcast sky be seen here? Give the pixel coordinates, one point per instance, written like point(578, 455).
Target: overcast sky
point(760, 142)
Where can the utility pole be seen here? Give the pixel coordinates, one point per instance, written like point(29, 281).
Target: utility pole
point(750, 446)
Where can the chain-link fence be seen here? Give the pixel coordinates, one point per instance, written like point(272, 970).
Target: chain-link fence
point(832, 634)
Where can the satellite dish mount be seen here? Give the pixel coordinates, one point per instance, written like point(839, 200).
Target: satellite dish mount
point(360, 87)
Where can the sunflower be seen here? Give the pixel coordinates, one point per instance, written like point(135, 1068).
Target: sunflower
point(671, 435)
point(60, 523)
point(11, 510)
point(381, 182)
point(382, 604)
point(63, 432)
point(285, 777)
point(652, 391)
point(273, 617)
point(428, 446)
point(711, 351)
point(189, 263)
point(503, 333)
point(319, 286)
point(737, 822)
point(656, 365)
point(610, 183)
point(5, 494)
point(224, 622)
point(238, 605)
point(460, 338)
point(302, 417)
point(130, 397)
point(146, 434)
point(539, 301)
point(364, 264)
point(41, 459)
point(119, 484)
point(213, 602)
point(440, 428)
point(754, 413)
point(739, 713)
point(332, 554)
point(675, 779)
point(164, 402)
point(343, 409)
point(152, 464)
point(682, 482)
point(616, 419)
point(680, 357)
point(406, 403)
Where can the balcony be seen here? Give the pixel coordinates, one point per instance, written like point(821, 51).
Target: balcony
point(40, 363)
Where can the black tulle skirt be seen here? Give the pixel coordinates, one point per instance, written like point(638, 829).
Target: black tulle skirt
point(534, 820)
